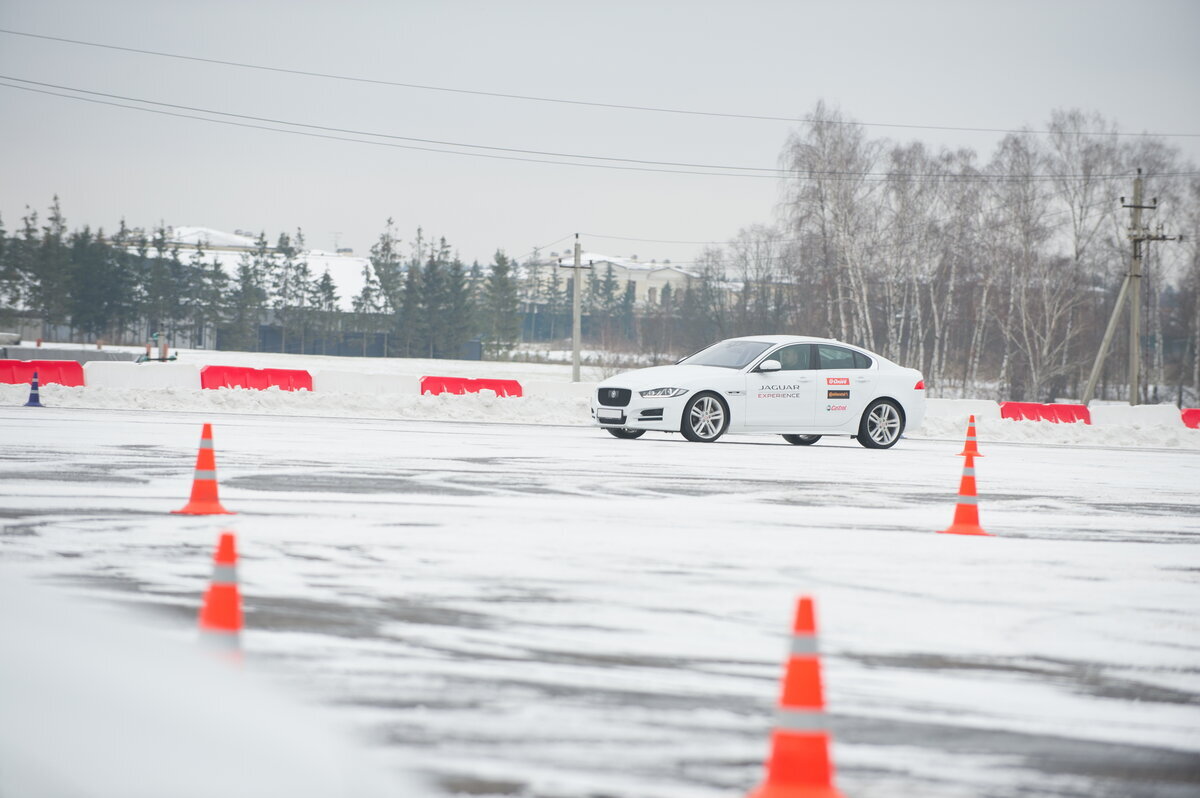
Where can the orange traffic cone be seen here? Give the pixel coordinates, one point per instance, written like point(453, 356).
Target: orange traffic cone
point(799, 765)
point(966, 514)
point(221, 614)
point(204, 487)
point(971, 447)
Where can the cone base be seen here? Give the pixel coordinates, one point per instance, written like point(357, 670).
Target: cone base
point(206, 508)
point(789, 791)
point(965, 453)
point(963, 529)
point(34, 404)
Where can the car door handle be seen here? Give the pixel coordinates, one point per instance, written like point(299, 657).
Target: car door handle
point(862, 379)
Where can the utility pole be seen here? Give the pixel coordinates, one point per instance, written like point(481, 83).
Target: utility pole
point(576, 310)
point(1131, 287)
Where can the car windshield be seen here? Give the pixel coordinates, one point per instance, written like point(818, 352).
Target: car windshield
point(728, 354)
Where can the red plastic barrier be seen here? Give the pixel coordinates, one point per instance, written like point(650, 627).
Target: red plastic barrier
point(255, 379)
point(1191, 417)
point(501, 387)
point(1021, 411)
point(462, 385)
point(1070, 414)
point(63, 372)
point(1034, 411)
point(437, 385)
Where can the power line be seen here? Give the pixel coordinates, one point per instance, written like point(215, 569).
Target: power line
point(714, 170)
point(387, 135)
point(380, 143)
point(564, 101)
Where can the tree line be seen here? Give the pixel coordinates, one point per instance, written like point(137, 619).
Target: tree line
point(126, 286)
point(995, 277)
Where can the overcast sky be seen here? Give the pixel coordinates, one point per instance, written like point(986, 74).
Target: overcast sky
point(955, 63)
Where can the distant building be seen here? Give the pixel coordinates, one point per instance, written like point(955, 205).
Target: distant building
point(648, 279)
point(344, 268)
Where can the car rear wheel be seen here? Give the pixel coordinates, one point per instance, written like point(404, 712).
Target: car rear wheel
point(625, 433)
point(881, 425)
point(705, 418)
point(802, 440)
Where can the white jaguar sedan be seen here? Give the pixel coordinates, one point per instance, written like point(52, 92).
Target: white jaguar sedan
point(798, 387)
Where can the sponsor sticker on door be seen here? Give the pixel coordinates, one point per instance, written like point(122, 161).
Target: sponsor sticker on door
point(837, 380)
point(837, 394)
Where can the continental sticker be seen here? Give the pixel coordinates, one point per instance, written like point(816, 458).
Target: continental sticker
point(837, 380)
point(837, 394)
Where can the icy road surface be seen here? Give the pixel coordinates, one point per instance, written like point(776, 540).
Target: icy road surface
point(549, 611)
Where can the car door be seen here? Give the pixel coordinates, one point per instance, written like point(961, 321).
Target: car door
point(845, 382)
point(783, 399)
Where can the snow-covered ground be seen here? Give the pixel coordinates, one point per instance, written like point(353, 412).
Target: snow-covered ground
point(534, 608)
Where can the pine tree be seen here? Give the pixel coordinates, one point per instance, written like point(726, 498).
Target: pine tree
point(193, 294)
point(90, 300)
point(408, 314)
point(246, 302)
point(431, 323)
point(51, 271)
point(127, 274)
point(556, 300)
point(323, 303)
point(502, 323)
point(625, 312)
point(460, 310)
point(284, 286)
point(9, 283)
point(388, 272)
point(162, 288)
point(214, 288)
point(368, 305)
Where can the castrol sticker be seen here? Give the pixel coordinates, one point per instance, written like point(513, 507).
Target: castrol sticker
point(837, 380)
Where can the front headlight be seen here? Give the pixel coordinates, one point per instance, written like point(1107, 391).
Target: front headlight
point(662, 393)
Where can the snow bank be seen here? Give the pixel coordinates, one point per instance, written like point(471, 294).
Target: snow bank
point(484, 406)
point(560, 390)
point(1003, 430)
point(565, 405)
point(96, 705)
point(389, 388)
point(146, 376)
point(962, 409)
point(353, 382)
point(1139, 416)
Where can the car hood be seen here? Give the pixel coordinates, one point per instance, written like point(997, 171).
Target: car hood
point(668, 377)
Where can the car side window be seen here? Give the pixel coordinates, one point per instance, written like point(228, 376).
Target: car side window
point(796, 357)
point(861, 361)
point(834, 357)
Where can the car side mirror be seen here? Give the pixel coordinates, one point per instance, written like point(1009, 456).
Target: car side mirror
point(770, 365)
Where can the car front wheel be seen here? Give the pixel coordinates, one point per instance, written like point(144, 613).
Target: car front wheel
point(802, 440)
point(705, 418)
point(881, 425)
point(624, 433)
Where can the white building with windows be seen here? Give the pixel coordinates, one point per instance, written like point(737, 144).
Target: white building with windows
point(648, 278)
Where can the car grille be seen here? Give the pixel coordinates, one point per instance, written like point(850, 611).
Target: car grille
point(614, 397)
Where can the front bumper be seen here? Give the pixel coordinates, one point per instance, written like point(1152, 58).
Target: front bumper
point(655, 413)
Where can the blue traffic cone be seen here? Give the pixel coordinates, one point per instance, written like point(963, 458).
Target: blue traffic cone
point(34, 399)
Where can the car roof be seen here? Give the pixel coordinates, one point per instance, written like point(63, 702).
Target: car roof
point(784, 339)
